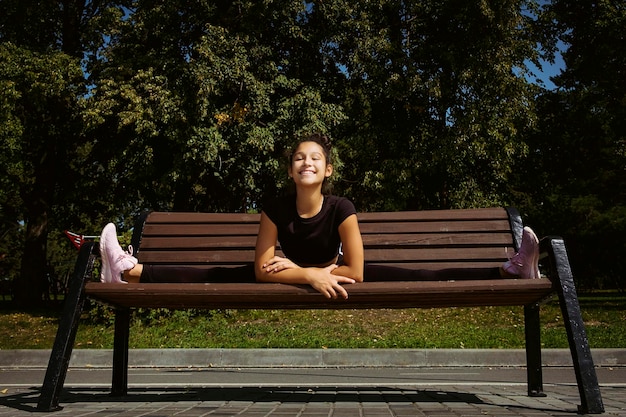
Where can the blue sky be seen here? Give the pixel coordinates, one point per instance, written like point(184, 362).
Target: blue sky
point(548, 70)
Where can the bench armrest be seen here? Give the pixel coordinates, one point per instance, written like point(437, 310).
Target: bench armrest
point(560, 273)
point(66, 333)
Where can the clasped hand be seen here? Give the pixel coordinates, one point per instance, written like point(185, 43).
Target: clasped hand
point(321, 279)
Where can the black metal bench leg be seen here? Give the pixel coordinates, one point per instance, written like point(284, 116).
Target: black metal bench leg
point(120, 352)
point(534, 371)
point(66, 334)
point(591, 399)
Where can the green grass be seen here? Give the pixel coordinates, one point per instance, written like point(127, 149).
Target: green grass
point(488, 327)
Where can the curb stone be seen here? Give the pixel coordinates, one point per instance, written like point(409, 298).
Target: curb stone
point(225, 358)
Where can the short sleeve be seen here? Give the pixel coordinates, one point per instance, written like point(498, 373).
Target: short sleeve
point(345, 209)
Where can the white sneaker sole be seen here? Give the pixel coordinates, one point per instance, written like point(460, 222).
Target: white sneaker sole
point(535, 273)
point(106, 274)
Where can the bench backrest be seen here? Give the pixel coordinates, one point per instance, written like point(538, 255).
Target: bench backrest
point(416, 239)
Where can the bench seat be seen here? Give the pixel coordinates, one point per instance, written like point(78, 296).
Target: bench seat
point(402, 294)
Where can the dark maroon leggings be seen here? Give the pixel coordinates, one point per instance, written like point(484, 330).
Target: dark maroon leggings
point(391, 273)
point(180, 274)
point(160, 273)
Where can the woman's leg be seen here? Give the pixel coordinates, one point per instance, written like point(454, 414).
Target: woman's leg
point(119, 266)
point(392, 273)
point(186, 274)
point(525, 264)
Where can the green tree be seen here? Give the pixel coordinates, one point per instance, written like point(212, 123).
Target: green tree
point(196, 103)
point(436, 97)
point(579, 150)
point(40, 97)
point(42, 46)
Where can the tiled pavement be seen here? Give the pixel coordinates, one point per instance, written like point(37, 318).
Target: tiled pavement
point(307, 392)
point(445, 401)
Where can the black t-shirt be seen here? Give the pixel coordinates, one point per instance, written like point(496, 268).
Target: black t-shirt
point(313, 241)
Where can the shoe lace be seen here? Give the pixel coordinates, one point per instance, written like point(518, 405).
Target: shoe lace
point(127, 254)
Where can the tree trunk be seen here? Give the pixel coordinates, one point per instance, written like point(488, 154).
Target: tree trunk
point(31, 286)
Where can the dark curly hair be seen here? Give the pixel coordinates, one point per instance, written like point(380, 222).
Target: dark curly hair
point(319, 138)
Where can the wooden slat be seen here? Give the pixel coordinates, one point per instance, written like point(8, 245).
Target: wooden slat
point(197, 242)
point(435, 239)
point(435, 226)
point(428, 215)
point(177, 217)
point(364, 295)
point(201, 229)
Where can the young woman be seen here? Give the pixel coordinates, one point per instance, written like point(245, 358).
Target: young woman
point(312, 228)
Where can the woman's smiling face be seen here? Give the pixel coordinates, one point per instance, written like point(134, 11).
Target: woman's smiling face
point(309, 164)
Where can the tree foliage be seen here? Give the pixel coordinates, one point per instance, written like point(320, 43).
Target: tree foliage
point(200, 120)
point(37, 137)
point(436, 93)
point(579, 159)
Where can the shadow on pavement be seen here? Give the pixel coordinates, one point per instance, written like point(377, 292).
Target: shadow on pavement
point(27, 400)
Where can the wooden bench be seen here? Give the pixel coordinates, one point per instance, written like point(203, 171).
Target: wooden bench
point(426, 239)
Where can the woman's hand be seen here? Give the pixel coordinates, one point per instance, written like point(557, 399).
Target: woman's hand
point(321, 279)
point(277, 264)
point(328, 284)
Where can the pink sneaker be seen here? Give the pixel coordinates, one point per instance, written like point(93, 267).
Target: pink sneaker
point(525, 263)
point(114, 260)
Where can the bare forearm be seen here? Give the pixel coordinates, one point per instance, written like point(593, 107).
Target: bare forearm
point(349, 272)
point(287, 276)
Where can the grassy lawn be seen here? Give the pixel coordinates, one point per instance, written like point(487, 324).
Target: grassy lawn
point(488, 327)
